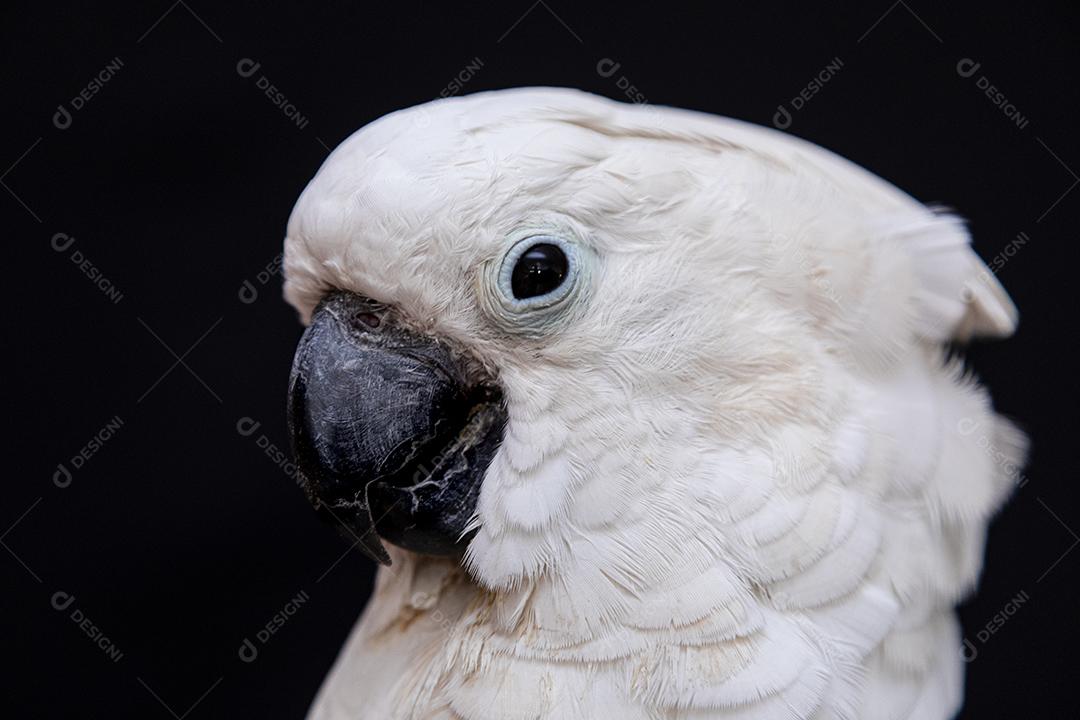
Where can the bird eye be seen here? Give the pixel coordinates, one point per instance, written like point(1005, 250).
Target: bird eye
point(540, 275)
point(539, 270)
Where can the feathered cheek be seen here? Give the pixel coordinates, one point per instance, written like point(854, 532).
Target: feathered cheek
point(520, 520)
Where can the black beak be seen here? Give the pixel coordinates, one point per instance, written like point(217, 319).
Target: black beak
point(391, 438)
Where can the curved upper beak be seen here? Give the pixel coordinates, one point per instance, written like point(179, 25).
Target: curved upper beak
point(391, 437)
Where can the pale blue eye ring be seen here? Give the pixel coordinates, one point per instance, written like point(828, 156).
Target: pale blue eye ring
point(558, 294)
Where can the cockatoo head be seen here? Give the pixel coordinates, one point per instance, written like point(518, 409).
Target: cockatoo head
point(554, 331)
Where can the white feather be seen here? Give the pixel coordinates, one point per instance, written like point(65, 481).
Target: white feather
point(739, 480)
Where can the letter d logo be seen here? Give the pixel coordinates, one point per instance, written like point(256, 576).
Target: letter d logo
point(248, 294)
point(61, 118)
point(967, 425)
point(967, 67)
point(62, 477)
point(62, 600)
point(247, 426)
point(61, 242)
point(248, 652)
point(607, 67)
point(782, 118)
point(247, 67)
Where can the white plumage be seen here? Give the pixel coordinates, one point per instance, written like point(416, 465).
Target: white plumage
point(739, 478)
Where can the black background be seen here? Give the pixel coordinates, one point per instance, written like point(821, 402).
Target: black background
point(180, 538)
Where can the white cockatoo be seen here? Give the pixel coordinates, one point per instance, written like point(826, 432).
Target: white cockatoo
point(648, 413)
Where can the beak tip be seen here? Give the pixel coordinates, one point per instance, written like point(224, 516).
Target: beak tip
point(374, 549)
point(365, 538)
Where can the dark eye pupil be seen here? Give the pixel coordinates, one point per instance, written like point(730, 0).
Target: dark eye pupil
point(538, 271)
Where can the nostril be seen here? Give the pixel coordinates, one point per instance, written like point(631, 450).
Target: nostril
point(362, 320)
